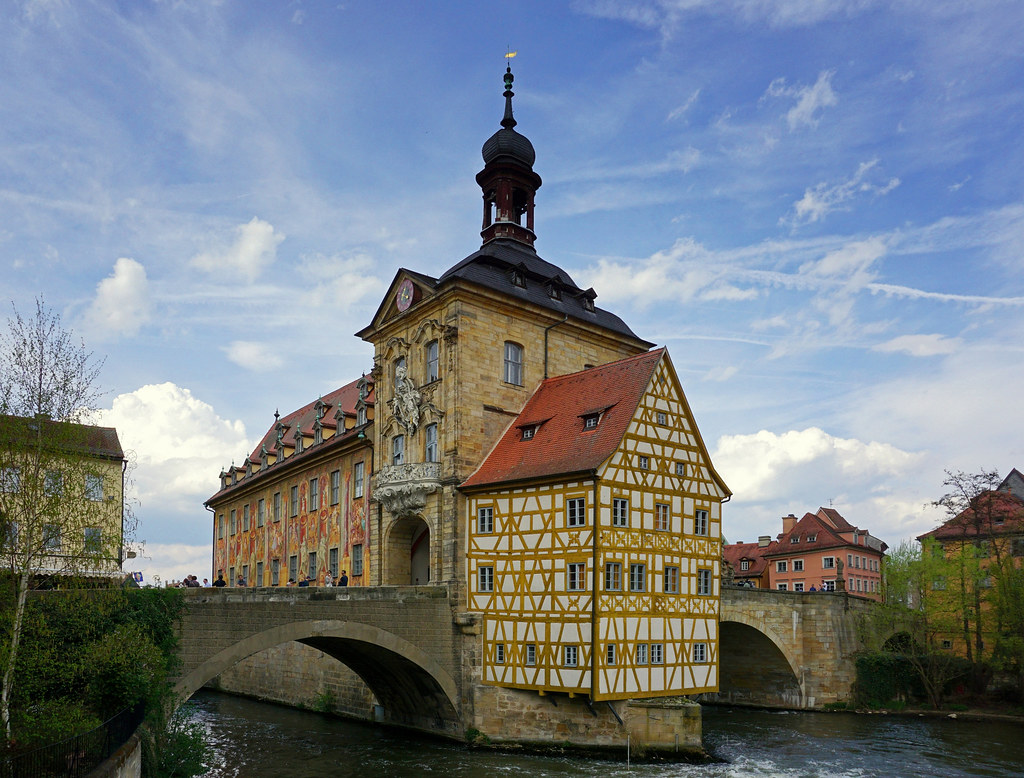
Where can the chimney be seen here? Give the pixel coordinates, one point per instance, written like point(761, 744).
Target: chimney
point(763, 541)
point(788, 522)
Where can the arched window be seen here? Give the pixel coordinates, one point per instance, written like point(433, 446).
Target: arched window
point(513, 363)
point(432, 361)
point(398, 450)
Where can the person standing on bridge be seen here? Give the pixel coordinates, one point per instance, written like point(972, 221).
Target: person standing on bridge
point(220, 579)
point(343, 580)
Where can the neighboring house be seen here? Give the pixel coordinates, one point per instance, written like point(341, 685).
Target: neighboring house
point(61, 497)
point(297, 507)
point(821, 550)
point(594, 529)
point(747, 562)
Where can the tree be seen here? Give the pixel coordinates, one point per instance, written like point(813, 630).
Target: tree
point(61, 492)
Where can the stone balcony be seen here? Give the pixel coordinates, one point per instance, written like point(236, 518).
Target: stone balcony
point(403, 489)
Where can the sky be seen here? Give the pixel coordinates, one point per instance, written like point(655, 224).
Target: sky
point(816, 205)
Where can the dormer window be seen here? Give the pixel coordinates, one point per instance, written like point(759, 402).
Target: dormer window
point(360, 415)
point(795, 539)
point(588, 305)
point(518, 278)
point(318, 433)
point(528, 432)
point(590, 421)
point(811, 538)
point(554, 291)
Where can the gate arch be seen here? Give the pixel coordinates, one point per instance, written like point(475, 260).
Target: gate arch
point(413, 689)
point(756, 667)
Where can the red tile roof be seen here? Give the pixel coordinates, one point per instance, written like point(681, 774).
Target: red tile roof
point(560, 445)
point(991, 513)
point(734, 553)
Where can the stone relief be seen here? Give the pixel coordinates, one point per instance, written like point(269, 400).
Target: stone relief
point(405, 405)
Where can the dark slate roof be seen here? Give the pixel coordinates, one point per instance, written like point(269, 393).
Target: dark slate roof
point(96, 441)
point(560, 445)
point(492, 267)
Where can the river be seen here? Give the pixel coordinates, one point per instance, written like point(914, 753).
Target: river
point(256, 740)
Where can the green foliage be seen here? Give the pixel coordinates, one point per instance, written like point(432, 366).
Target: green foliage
point(174, 747)
point(325, 701)
point(51, 721)
point(122, 668)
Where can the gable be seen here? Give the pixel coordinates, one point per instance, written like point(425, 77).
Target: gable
point(406, 290)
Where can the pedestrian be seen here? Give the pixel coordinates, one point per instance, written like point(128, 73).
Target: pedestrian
point(304, 581)
point(241, 581)
point(220, 580)
point(343, 581)
point(328, 579)
point(206, 583)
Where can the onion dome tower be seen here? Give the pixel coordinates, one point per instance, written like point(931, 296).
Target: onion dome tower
point(508, 181)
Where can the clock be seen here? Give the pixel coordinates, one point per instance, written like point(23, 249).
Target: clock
point(404, 295)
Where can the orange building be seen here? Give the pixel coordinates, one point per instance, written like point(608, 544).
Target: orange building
point(820, 552)
point(296, 509)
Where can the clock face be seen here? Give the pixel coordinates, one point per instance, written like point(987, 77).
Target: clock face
point(403, 298)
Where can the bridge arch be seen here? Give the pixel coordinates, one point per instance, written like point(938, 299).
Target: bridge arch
point(411, 687)
point(755, 665)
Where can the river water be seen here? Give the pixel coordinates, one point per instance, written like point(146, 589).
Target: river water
point(256, 740)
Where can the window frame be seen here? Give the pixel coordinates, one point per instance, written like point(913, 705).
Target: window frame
point(485, 579)
point(335, 497)
point(512, 372)
point(357, 559)
point(705, 584)
point(670, 579)
point(357, 479)
point(701, 522)
point(576, 512)
point(576, 577)
point(620, 512)
point(613, 576)
point(637, 577)
point(485, 520)
point(430, 450)
point(432, 360)
point(662, 517)
point(398, 450)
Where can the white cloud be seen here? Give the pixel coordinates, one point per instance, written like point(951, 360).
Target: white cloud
point(122, 303)
point(254, 249)
point(340, 281)
point(723, 373)
point(161, 563)
point(822, 199)
point(258, 357)
point(809, 99)
point(180, 446)
point(681, 110)
point(921, 345)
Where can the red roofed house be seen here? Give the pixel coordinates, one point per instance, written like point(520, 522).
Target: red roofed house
point(297, 506)
point(821, 550)
point(594, 539)
point(747, 562)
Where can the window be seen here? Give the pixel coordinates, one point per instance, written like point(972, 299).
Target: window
point(856, 561)
point(361, 415)
point(293, 502)
point(671, 580)
point(662, 418)
point(93, 487)
point(53, 483)
point(794, 539)
point(314, 494)
point(1017, 547)
point(643, 463)
point(613, 577)
point(811, 538)
point(611, 654)
point(576, 577)
point(703, 582)
point(432, 361)
point(277, 506)
point(293, 567)
point(259, 574)
point(485, 520)
point(233, 525)
point(620, 512)
point(700, 653)
point(357, 559)
point(261, 512)
point(531, 653)
point(637, 577)
point(781, 567)
point(661, 516)
point(430, 445)
point(745, 564)
point(798, 587)
point(231, 576)
point(513, 363)
point(947, 643)
point(828, 562)
point(275, 572)
point(220, 527)
point(657, 654)
point(828, 586)
point(849, 560)
point(700, 523)
point(798, 565)
point(528, 432)
point(10, 480)
point(332, 562)
point(92, 540)
point(398, 450)
point(571, 654)
point(590, 421)
point(357, 479)
point(245, 574)
point(335, 487)
point(518, 279)
point(485, 579)
point(575, 512)
point(399, 363)
point(311, 568)
point(782, 587)
point(641, 653)
point(245, 517)
point(51, 537)
point(939, 583)
point(499, 654)
point(680, 468)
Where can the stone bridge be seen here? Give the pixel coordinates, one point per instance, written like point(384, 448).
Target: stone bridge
point(407, 643)
point(399, 639)
point(787, 649)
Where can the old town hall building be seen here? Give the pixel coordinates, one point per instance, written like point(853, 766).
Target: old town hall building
point(516, 443)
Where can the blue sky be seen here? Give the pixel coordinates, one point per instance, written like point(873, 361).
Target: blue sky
point(817, 206)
